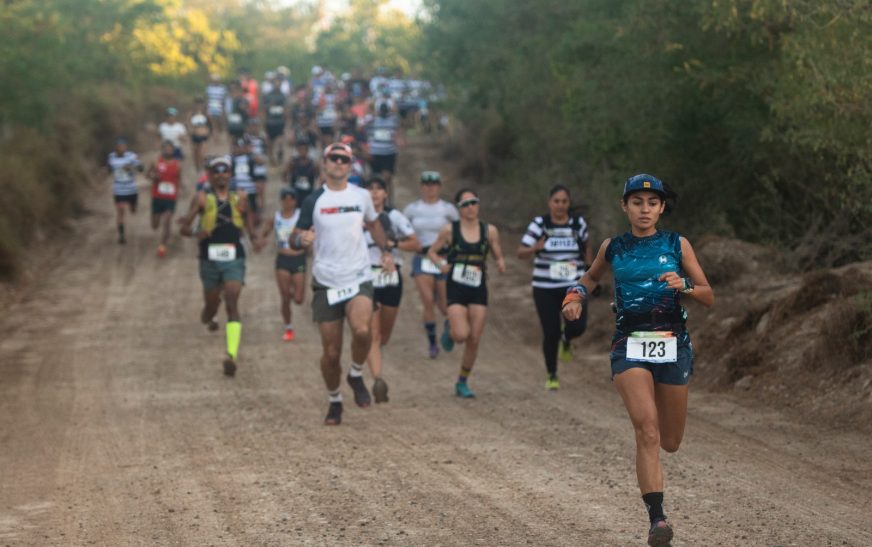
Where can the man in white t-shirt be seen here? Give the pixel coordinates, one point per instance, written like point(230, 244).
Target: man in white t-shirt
point(174, 131)
point(331, 221)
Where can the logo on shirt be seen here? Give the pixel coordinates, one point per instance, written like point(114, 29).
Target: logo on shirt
point(341, 209)
point(663, 259)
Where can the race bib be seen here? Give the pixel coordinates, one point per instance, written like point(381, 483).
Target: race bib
point(234, 118)
point(166, 189)
point(561, 244)
point(652, 347)
point(303, 184)
point(222, 252)
point(428, 267)
point(382, 135)
point(198, 119)
point(335, 296)
point(466, 274)
point(564, 270)
point(121, 175)
point(329, 115)
point(241, 170)
point(382, 279)
point(276, 110)
point(214, 104)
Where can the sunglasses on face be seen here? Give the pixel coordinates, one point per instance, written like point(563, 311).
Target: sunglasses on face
point(336, 158)
point(467, 202)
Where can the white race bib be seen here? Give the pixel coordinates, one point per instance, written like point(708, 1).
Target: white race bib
point(382, 135)
point(121, 174)
point(335, 296)
point(198, 119)
point(303, 184)
point(276, 110)
point(466, 274)
point(166, 189)
point(382, 279)
point(329, 115)
point(561, 244)
point(652, 347)
point(282, 235)
point(428, 267)
point(234, 118)
point(564, 270)
point(222, 252)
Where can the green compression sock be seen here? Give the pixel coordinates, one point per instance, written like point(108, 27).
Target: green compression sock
point(234, 333)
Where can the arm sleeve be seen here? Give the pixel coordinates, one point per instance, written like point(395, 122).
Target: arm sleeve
point(533, 233)
point(402, 226)
point(306, 211)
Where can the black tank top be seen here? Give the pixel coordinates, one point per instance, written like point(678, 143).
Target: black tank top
point(463, 252)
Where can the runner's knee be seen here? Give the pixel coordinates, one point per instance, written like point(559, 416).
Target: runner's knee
point(648, 434)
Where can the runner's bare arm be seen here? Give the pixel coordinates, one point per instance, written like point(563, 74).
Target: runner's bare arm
point(572, 304)
point(268, 225)
point(441, 241)
point(525, 252)
point(410, 243)
point(198, 201)
point(493, 238)
point(701, 291)
point(250, 228)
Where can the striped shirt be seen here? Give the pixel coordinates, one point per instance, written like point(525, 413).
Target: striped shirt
point(215, 96)
point(561, 261)
point(243, 171)
point(380, 135)
point(123, 167)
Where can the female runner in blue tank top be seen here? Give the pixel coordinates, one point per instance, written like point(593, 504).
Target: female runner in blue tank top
point(652, 357)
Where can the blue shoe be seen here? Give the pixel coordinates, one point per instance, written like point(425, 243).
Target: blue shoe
point(461, 389)
point(446, 340)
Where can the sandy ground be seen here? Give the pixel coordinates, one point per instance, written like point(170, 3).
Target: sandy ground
point(117, 427)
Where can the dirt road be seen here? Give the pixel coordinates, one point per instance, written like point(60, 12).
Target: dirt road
point(117, 427)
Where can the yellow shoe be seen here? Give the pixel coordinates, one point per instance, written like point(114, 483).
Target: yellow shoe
point(552, 383)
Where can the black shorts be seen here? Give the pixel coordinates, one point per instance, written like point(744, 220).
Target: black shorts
point(130, 199)
point(293, 264)
point(383, 163)
point(466, 295)
point(160, 205)
point(389, 296)
point(197, 139)
point(273, 131)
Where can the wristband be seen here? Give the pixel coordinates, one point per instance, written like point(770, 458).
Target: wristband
point(688, 285)
point(578, 293)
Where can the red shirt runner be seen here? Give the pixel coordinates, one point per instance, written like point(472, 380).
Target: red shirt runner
point(169, 172)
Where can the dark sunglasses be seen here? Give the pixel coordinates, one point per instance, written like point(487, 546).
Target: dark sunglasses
point(468, 202)
point(336, 158)
point(220, 168)
point(430, 177)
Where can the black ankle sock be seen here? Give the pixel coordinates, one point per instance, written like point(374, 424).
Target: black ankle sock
point(654, 505)
point(431, 332)
point(121, 230)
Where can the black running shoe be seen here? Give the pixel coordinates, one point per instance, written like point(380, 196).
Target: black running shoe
point(660, 534)
point(334, 414)
point(380, 391)
point(361, 394)
point(229, 366)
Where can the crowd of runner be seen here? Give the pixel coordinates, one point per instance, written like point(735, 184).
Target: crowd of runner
point(334, 141)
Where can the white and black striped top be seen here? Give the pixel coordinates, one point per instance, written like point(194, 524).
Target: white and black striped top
point(561, 262)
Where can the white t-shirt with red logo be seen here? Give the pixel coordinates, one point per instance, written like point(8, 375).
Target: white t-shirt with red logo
point(340, 257)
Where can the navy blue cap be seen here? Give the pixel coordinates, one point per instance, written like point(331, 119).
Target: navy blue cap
point(644, 183)
point(289, 191)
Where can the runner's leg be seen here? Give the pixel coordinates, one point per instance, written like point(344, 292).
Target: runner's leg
point(671, 414)
point(284, 281)
point(636, 387)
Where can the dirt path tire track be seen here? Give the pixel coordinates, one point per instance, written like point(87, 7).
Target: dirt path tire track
point(118, 427)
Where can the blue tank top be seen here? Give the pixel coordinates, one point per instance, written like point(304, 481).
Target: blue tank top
point(644, 303)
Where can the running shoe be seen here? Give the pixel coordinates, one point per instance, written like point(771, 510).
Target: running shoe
point(380, 391)
point(565, 350)
point(552, 383)
point(361, 394)
point(434, 351)
point(229, 366)
point(289, 335)
point(334, 414)
point(461, 389)
point(161, 251)
point(446, 340)
point(660, 534)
